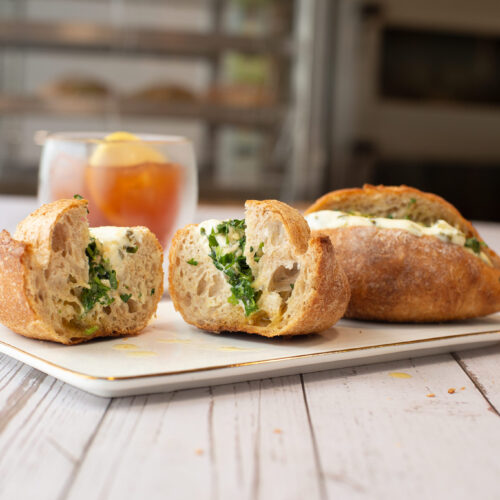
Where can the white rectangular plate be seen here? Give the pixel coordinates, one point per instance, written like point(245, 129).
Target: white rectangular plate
point(172, 355)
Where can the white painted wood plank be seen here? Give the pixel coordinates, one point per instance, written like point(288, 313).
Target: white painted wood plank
point(45, 426)
point(262, 444)
point(483, 366)
point(249, 440)
point(381, 437)
point(149, 447)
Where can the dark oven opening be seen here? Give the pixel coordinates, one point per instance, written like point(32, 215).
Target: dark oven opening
point(431, 66)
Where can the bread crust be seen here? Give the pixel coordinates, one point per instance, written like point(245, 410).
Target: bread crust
point(16, 311)
point(397, 276)
point(32, 246)
point(322, 304)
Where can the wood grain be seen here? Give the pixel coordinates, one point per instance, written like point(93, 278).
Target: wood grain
point(250, 438)
point(45, 427)
point(380, 436)
point(483, 366)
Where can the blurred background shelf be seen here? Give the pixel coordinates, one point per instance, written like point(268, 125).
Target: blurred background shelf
point(70, 36)
point(261, 117)
point(221, 72)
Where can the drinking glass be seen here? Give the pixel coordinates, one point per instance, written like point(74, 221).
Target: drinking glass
point(129, 180)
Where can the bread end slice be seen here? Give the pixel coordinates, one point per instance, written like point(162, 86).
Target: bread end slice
point(298, 287)
point(51, 289)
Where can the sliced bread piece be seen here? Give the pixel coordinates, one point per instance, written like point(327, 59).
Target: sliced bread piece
point(409, 256)
point(61, 281)
point(263, 274)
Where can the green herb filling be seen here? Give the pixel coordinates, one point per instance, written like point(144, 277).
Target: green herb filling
point(232, 262)
point(91, 330)
point(99, 270)
point(192, 262)
point(474, 244)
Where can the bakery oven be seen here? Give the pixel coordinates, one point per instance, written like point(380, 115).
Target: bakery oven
point(417, 99)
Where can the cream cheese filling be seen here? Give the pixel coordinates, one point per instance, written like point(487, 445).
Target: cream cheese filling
point(229, 243)
point(332, 219)
point(117, 245)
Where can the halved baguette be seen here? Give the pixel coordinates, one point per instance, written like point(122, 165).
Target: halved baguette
point(297, 285)
point(398, 276)
point(46, 291)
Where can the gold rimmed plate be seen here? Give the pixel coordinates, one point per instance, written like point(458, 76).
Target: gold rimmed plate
point(172, 355)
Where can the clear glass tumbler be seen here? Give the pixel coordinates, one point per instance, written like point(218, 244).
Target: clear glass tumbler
point(129, 180)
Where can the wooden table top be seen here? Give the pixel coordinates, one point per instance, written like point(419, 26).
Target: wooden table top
point(347, 433)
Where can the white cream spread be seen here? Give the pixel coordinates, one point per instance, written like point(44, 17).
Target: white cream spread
point(229, 243)
point(113, 243)
point(331, 219)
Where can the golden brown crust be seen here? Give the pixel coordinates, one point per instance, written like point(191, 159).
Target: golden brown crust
point(397, 276)
point(295, 225)
point(328, 295)
point(32, 241)
point(16, 312)
point(320, 302)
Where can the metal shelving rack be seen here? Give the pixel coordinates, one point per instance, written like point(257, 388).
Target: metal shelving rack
point(292, 53)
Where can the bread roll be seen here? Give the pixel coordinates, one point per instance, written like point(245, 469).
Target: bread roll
point(409, 256)
point(261, 275)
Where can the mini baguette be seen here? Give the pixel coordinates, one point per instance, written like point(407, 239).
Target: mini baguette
point(44, 272)
point(397, 276)
point(301, 286)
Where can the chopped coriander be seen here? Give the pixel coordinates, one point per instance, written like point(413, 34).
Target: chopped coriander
point(291, 285)
point(474, 244)
point(259, 253)
point(99, 270)
point(131, 249)
point(389, 216)
point(91, 330)
point(212, 241)
point(234, 264)
point(192, 262)
point(152, 291)
point(78, 197)
point(125, 297)
point(112, 279)
point(202, 230)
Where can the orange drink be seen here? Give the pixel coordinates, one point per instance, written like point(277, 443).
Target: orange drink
point(141, 195)
point(129, 180)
